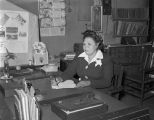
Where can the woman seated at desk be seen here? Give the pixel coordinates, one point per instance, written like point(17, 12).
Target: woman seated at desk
point(92, 66)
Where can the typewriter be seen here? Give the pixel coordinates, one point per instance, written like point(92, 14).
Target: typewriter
point(78, 107)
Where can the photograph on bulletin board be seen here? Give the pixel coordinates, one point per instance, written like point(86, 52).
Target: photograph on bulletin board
point(96, 18)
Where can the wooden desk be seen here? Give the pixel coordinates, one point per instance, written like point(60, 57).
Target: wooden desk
point(44, 86)
point(5, 112)
point(39, 79)
point(47, 114)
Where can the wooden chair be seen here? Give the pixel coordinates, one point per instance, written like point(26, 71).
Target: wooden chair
point(122, 56)
point(141, 83)
point(117, 89)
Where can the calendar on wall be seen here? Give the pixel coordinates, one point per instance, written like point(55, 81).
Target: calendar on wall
point(96, 18)
point(52, 17)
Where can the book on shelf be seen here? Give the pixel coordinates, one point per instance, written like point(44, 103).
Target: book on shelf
point(149, 60)
point(128, 28)
point(134, 29)
point(130, 13)
point(131, 28)
point(139, 29)
point(125, 27)
point(119, 26)
point(152, 60)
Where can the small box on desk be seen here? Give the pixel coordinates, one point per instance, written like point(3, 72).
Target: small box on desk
point(75, 108)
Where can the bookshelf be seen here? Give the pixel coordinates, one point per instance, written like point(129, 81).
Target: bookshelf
point(130, 22)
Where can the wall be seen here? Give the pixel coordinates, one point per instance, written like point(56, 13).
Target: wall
point(75, 27)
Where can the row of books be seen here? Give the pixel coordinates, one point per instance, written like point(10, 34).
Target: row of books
point(26, 106)
point(130, 13)
point(131, 28)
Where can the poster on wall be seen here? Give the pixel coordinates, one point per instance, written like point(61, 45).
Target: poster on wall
point(14, 31)
point(96, 18)
point(52, 17)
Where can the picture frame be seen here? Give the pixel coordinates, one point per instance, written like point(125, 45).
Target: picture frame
point(96, 18)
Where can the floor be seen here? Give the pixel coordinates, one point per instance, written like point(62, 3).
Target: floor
point(131, 100)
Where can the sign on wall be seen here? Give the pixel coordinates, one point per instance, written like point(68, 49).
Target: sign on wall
point(14, 30)
point(52, 17)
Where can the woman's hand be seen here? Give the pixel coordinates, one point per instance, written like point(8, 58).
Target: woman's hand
point(59, 79)
point(83, 83)
point(55, 80)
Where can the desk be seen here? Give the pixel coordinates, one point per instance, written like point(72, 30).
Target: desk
point(39, 79)
point(47, 114)
point(114, 104)
point(5, 113)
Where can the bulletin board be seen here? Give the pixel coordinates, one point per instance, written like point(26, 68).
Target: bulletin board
point(18, 31)
point(14, 30)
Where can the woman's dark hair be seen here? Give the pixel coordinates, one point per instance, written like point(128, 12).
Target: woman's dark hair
point(96, 37)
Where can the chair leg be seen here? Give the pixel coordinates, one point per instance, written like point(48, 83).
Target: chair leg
point(142, 90)
point(121, 95)
point(119, 83)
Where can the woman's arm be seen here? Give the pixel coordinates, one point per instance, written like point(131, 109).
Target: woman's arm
point(70, 70)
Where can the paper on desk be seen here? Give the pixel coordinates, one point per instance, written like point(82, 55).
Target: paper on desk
point(39, 97)
point(65, 84)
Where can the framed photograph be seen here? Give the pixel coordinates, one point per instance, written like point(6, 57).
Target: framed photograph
point(96, 18)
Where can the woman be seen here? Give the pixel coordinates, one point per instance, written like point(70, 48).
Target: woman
point(92, 66)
